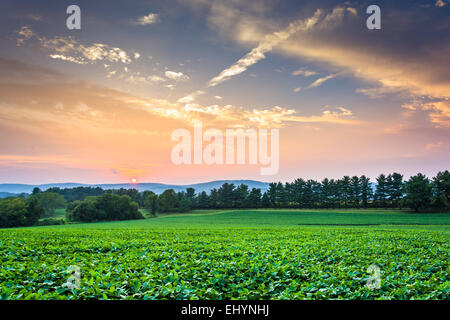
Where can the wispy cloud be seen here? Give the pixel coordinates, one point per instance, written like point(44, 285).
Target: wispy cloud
point(69, 49)
point(436, 146)
point(439, 112)
point(191, 97)
point(303, 72)
point(177, 76)
point(67, 58)
point(376, 92)
point(115, 109)
point(114, 129)
point(266, 45)
point(136, 77)
point(275, 117)
point(150, 18)
point(321, 81)
point(92, 53)
point(336, 41)
point(25, 33)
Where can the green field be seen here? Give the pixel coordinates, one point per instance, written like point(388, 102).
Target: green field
point(240, 254)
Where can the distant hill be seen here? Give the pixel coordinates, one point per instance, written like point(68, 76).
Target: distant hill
point(8, 194)
point(155, 187)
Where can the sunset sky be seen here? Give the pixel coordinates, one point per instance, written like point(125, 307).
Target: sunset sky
point(99, 105)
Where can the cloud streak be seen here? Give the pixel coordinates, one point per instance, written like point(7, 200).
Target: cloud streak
point(88, 103)
point(265, 46)
point(417, 68)
point(303, 72)
point(321, 81)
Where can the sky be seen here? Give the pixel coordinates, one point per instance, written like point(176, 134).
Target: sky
point(100, 104)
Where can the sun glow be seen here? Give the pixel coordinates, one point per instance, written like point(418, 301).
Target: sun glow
point(133, 180)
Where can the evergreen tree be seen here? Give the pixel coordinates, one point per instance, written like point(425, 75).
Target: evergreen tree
point(395, 188)
point(345, 191)
point(203, 200)
point(184, 204)
point(281, 196)
point(254, 198)
point(272, 194)
point(381, 192)
point(326, 195)
point(241, 195)
point(355, 191)
point(418, 192)
point(191, 196)
point(214, 199)
point(441, 189)
point(299, 190)
point(366, 190)
point(226, 195)
point(265, 201)
point(289, 190)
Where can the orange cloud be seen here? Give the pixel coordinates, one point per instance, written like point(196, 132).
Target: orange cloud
point(416, 73)
point(76, 124)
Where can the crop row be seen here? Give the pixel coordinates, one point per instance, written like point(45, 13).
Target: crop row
point(224, 264)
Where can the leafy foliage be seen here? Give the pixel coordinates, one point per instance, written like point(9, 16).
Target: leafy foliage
point(77, 193)
point(188, 261)
point(168, 201)
point(107, 207)
point(419, 192)
point(50, 201)
point(150, 200)
point(17, 212)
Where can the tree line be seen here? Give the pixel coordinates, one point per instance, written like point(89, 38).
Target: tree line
point(388, 191)
point(29, 210)
point(89, 204)
point(391, 191)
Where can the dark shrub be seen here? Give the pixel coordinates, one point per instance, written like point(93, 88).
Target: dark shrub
point(107, 207)
point(19, 212)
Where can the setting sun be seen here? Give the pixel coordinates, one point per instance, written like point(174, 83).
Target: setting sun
point(285, 150)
